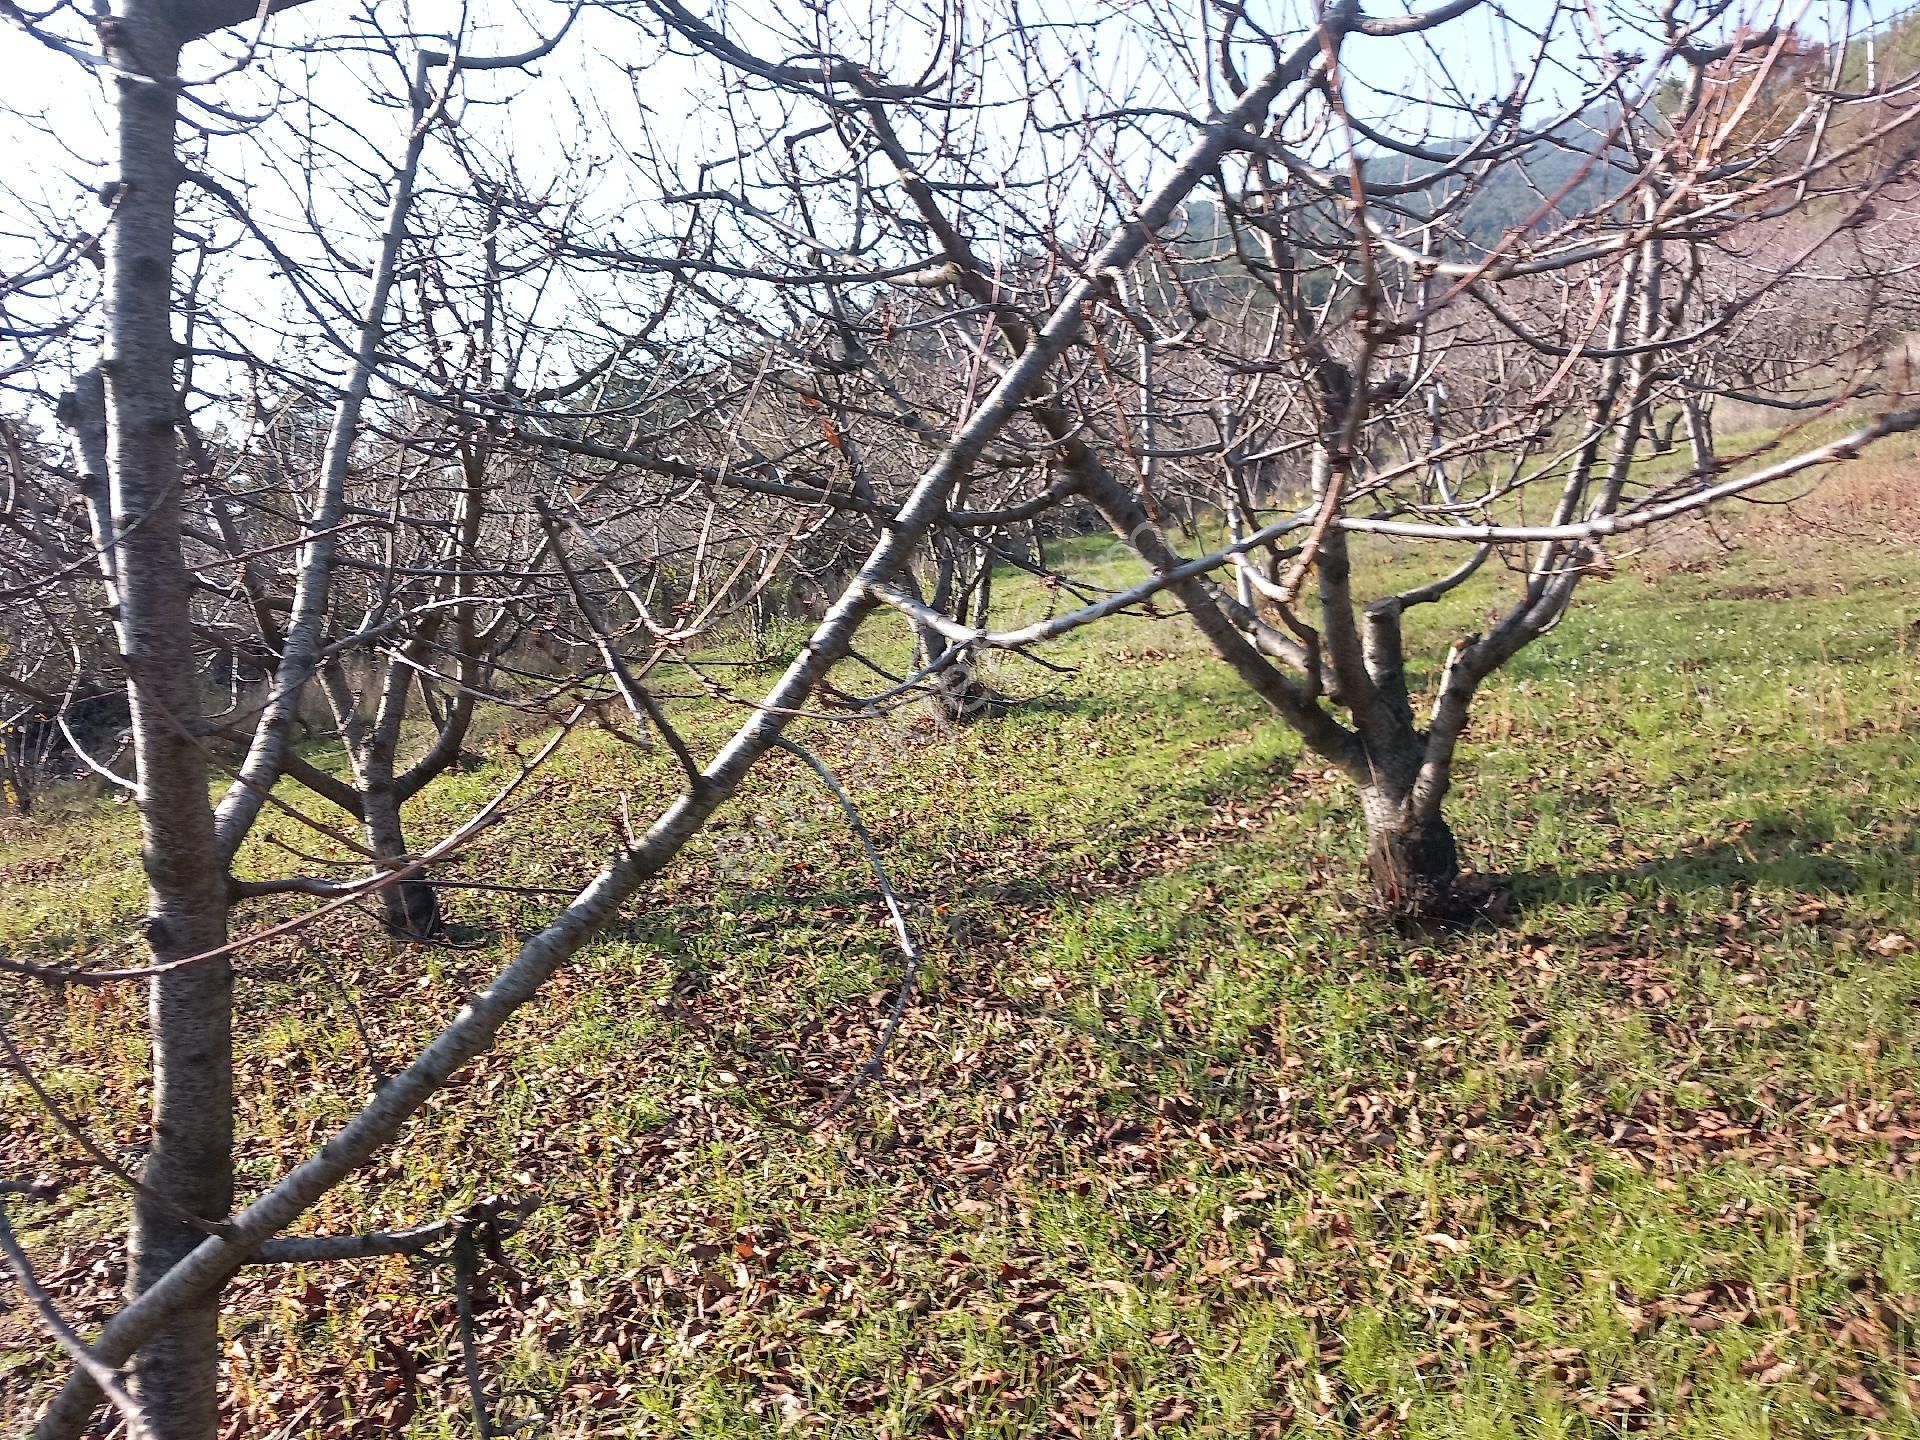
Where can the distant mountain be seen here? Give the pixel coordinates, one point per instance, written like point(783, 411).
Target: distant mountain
point(1571, 172)
point(1567, 173)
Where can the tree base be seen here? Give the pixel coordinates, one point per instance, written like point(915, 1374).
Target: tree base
point(1416, 877)
point(964, 700)
point(1470, 901)
point(412, 912)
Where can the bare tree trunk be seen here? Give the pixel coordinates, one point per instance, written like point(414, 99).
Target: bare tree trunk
point(411, 907)
point(1412, 857)
point(1411, 852)
point(189, 1163)
point(959, 692)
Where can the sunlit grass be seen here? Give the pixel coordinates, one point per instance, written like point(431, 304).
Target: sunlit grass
point(1176, 1139)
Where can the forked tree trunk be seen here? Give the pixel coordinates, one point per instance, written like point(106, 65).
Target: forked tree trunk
point(1399, 770)
point(411, 907)
point(1414, 861)
point(960, 694)
point(959, 691)
point(189, 1162)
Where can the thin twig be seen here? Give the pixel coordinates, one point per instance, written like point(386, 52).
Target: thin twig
point(305, 1249)
point(639, 699)
point(352, 1005)
point(102, 1374)
point(908, 948)
point(18, 1064)
point(463, 1266)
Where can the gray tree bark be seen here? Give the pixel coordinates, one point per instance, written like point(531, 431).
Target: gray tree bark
point(189, 1163)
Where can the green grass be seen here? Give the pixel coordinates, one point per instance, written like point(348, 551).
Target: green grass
point(1176, 1138)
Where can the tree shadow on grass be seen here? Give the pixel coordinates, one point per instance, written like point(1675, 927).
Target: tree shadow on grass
point(1062, 703)
point(1775, 851)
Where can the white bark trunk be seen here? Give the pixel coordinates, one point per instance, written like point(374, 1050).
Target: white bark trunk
point(189, 1163)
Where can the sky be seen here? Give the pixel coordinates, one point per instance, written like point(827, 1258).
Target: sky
point(307, 130)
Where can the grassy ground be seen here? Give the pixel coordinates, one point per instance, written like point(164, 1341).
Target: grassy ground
point(1175, 1139)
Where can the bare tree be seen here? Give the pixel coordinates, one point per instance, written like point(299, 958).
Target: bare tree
point(185, 1244)
point(888, 322)
point(1356, 340)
